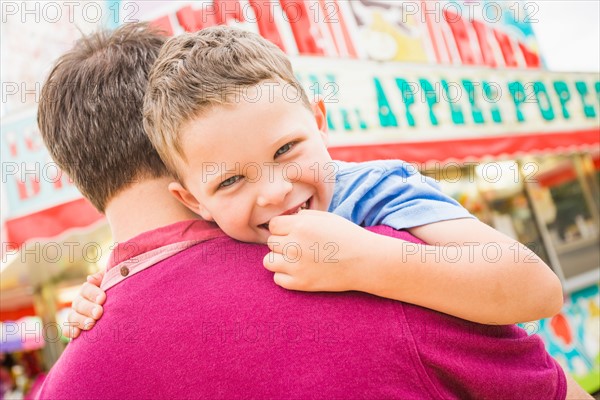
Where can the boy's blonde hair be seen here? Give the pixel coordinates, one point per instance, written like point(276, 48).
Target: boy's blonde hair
point(197, 71)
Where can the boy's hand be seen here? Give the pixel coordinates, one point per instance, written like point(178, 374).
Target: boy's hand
point(86, 307)
point(317, 251)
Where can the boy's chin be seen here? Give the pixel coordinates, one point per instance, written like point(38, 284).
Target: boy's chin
point(255, 237)
point(262, 239)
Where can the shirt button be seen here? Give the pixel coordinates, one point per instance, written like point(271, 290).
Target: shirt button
point(124, 271)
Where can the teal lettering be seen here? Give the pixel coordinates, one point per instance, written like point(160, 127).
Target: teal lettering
point(492, 96)
point(543, 101)
point(361, 121)
point(408, 97)
point(386, 116)
point(315, 86)
point(517, 92)
point(562, 90)
point(475, 110)
point(430, 97)
point(455, 110)
point(346, 120)
point(588, 109)
point(330, 123)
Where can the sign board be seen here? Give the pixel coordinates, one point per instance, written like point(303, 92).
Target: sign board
point(374, 103)
point(490, 33)
point(32, 181)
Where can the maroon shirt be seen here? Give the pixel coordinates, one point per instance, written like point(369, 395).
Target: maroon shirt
point(208, 322)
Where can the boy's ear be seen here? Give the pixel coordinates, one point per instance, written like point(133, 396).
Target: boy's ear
point(320, 114)
point(189, 200)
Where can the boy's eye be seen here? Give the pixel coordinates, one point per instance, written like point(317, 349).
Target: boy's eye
point(284, 149)
point(230, 181)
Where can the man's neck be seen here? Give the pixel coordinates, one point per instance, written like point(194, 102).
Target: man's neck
point(144, 206)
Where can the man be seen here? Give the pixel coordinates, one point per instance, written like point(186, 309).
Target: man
point(192, 313)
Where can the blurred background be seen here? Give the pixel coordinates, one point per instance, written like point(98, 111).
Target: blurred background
point(499, 101)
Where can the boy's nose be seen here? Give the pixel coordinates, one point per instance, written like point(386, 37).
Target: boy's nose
point(273, 192)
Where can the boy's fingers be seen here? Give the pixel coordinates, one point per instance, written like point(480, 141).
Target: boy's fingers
point(281, 225)
point(284, 280)
point(87, 308)
point(93, 293)
point(313, 212)
point(285, 245)
point(80, 321)
point(70, 331)
point(274, 262)
point(95, 279)
point(276, 243)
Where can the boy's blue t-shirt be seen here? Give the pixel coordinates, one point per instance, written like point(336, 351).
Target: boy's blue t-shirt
point(390, 192)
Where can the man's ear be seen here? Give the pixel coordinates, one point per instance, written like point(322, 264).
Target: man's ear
point(189, 200)
point(321, 117)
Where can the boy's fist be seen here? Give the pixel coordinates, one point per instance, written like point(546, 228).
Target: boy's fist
point(316, 251)
point(87, 307)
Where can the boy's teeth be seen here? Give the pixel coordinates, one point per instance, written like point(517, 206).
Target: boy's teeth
point(302, 207)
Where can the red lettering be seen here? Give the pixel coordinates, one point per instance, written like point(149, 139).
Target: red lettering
point(266, 23)
point(164, 24)
point(482, 31)
point(506, 47)
point(461, 37)
point(228, 11)
point(439, 39)
point(531, 59)
point(12, 144)
point(28, 188)
point(32, 141)
point(187, 19)
point(57, 183)
point(339, 28)
point(300, 21)
point(434, 38)
point(205, 19)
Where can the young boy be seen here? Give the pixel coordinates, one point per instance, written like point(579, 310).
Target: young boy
point(248, 150)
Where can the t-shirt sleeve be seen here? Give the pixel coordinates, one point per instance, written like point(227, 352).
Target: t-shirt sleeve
point(391, 193)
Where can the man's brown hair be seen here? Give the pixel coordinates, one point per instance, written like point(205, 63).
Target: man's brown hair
point(197, 71)
point(90, 112)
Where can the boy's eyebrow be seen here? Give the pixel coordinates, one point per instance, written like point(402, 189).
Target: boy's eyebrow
point(220, 176)
point(214, 184)
point(288, 137)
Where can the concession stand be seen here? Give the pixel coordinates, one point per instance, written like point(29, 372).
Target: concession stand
point(458, 89)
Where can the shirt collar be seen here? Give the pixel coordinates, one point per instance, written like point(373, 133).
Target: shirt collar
point(178, 232)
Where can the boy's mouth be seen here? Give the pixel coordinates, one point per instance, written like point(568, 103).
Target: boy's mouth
point(291, 211)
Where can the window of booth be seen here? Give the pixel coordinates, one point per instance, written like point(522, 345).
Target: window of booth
point(565, 188)
point(494, 193)
point(549, 203)
point(591, 172)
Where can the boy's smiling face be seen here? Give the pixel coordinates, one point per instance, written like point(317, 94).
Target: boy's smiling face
point(261, 157)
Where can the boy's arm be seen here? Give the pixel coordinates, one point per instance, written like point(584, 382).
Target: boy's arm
point(490, 278)
point(473, 272)
point(517, 285)
point(86, 308)
point(575, 391)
